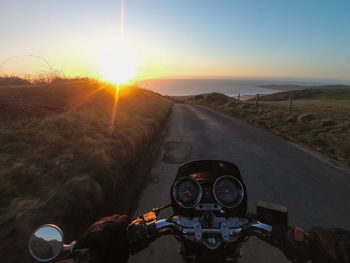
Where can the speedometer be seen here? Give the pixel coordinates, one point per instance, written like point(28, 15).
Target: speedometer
point(187, 192)
point(228, 191)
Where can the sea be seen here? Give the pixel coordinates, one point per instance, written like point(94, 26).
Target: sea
point(229, 87)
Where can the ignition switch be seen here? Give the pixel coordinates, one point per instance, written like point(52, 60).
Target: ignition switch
point(207, 219)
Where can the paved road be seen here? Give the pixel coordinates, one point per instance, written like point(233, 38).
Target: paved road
point(316, 190)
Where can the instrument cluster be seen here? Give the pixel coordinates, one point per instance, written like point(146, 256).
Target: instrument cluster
point(226, 191)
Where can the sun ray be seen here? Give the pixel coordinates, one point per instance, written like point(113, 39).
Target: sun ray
point(115, 105)
point(80, 101)
point(122, 19)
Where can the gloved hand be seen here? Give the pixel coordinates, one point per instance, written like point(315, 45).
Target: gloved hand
point(293, 242)
point(107, 239)
point(330, 245)
point(104, 242)
point(297, 245)
point(318, 244)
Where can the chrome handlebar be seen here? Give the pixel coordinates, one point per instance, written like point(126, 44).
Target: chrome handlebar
point(221, 230)
point(164, 226)
point(211, 233)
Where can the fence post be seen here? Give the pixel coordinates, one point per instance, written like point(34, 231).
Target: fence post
point(257, 100)
point(290, 102)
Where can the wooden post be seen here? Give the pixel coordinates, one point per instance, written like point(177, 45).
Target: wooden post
point(257, 100)
point(239, 95)
point(290, 102)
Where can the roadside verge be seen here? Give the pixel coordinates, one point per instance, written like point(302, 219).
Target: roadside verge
point(63, 162)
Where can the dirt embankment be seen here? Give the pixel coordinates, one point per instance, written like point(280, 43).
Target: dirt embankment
point(62, 162)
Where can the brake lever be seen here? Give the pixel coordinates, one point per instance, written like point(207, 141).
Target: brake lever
point(258, 229)
point(158, 209)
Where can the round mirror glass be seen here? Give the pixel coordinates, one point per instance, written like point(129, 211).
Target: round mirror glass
point(46, 243)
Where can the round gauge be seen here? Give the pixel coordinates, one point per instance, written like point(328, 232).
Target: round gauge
point(228, 191)
point(187, 192)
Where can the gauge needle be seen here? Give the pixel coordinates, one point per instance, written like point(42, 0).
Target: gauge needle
point(188, 192)
point(223, 191)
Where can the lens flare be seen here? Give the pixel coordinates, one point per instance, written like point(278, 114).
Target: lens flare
point(114, 112)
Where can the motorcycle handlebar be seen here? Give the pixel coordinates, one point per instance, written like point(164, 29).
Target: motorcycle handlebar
point(141, 233)
point(165, 226)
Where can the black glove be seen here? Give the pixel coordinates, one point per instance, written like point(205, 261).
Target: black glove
point(329, 245)
point(107, 239)
point(293, 242)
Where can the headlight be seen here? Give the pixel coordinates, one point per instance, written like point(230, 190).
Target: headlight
point(187, 192)
point(228, 191)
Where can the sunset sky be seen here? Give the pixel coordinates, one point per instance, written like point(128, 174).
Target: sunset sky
point(198, 38)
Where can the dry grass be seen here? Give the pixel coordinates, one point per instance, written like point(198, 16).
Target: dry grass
point(61, 163)
point(319, 119)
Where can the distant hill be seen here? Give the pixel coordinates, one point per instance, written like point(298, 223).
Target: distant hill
point(322, 92)
point(13, 81)
point(297, 87)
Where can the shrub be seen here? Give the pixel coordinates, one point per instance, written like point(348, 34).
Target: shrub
point(306, 117)
point(198, 97)
point(327, 122)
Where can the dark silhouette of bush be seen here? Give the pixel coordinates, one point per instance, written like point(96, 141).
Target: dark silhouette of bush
point(13, 81)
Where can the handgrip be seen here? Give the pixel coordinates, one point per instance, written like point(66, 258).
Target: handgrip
point(137, 236)
point(140, 234)
point(294, 243)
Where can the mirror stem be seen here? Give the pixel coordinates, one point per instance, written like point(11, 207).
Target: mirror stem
point(69, 247)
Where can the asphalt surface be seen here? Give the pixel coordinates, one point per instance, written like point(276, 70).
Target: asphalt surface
point(315, 189)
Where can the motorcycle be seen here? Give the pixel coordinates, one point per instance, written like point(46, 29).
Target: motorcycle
point(210, 219)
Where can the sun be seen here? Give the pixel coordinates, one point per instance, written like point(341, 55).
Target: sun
point(116, 64)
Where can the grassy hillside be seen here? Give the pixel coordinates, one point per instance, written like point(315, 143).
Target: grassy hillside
point(319, 118)
point(338, 93)
point(297, 87)
point(62, 163)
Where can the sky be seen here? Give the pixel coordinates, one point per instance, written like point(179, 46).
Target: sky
point(303, 39)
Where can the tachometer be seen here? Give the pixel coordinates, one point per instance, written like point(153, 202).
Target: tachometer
point(228, 191)
point(187, 192)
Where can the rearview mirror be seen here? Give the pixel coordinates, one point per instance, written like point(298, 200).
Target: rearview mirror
point(46, 243)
